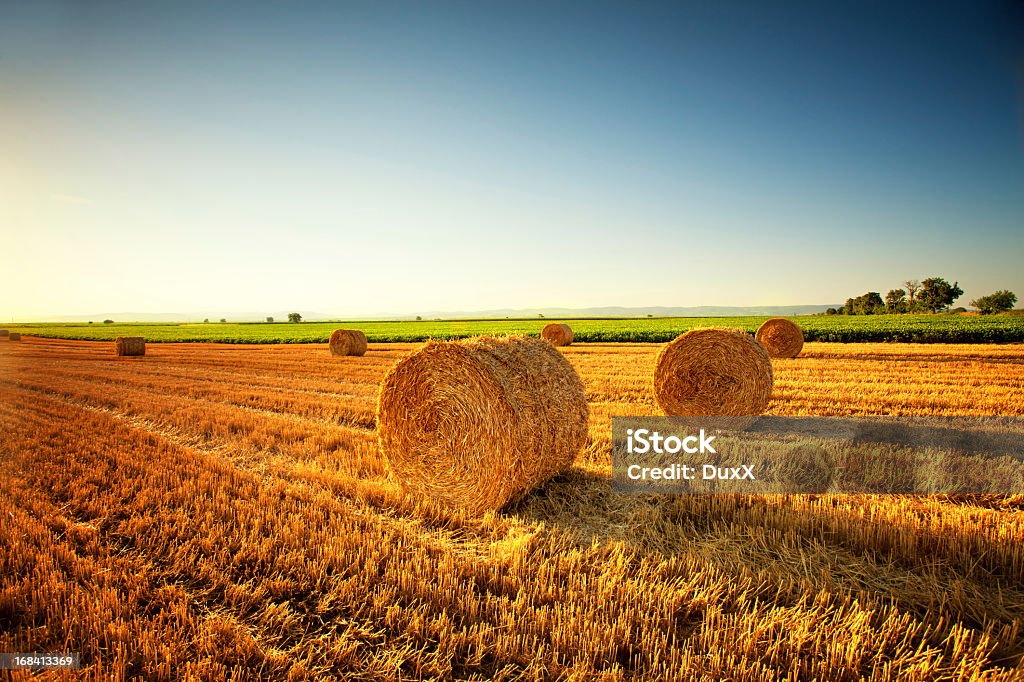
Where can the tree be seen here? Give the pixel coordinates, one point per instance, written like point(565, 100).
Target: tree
point(294, 317)
point(995, 303)
point(870, 303)
point(206, 320)
point(223, 320)
point(108, 322)
point(847, 308)
point(912, 286)
point(895, 301)
point(418, 318)
point(270, 319)
point(937, 294)
point(831, 311)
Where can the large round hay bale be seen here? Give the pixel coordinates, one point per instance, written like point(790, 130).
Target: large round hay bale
point(130, 345)
point(713, 372)
point(557, 334)
point(14, 336)
point(479, 423)
point(3, 333)
point(347, 342)
point(780, 337)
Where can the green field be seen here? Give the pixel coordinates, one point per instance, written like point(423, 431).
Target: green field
point(951, 328)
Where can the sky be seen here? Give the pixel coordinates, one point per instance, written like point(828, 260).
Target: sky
point(364, 158)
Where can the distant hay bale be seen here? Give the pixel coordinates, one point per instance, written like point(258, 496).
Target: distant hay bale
point(3, 333)
point(479, 423)
point(130, 345)
point(14, 336)
point(557, 334)
point(780, 337)
point(713, 372)
point(348, 342)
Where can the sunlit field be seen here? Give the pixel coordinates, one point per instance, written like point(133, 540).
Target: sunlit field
point(214, 510)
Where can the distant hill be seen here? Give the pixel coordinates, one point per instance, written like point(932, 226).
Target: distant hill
point(619, 311)
point(608, 311)
point(215, 316)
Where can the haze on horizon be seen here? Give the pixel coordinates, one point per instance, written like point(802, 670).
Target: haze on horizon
point(363, 158)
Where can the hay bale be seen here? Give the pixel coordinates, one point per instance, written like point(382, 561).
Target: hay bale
point(780, 337)
point(14, 336)
point(347, 342)
point(713, 372)
point(130, 345)
point(3, 333)
point(361, 340)
point(557, 334)
point(479, 423)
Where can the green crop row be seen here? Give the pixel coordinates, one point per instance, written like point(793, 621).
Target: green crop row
point(950, 328)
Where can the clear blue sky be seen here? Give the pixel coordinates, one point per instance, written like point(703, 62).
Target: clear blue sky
point(361, 158)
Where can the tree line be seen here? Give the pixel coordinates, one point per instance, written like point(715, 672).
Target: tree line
point(931, 295)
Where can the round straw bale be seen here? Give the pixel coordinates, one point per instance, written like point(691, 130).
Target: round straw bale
point(780, 337)
point(557, 334)
point(348, 342)
point(3, 332)
point(713, 372)
point(479, 423)
point(14, 336)
point(130, 345)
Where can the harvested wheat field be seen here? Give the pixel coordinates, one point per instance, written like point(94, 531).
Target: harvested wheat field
point(220, 510)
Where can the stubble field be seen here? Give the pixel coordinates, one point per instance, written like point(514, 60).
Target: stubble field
point(222, 510)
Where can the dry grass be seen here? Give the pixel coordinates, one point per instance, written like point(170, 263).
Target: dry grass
point(223, 511)
point(780, 337)
point(479, 423)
